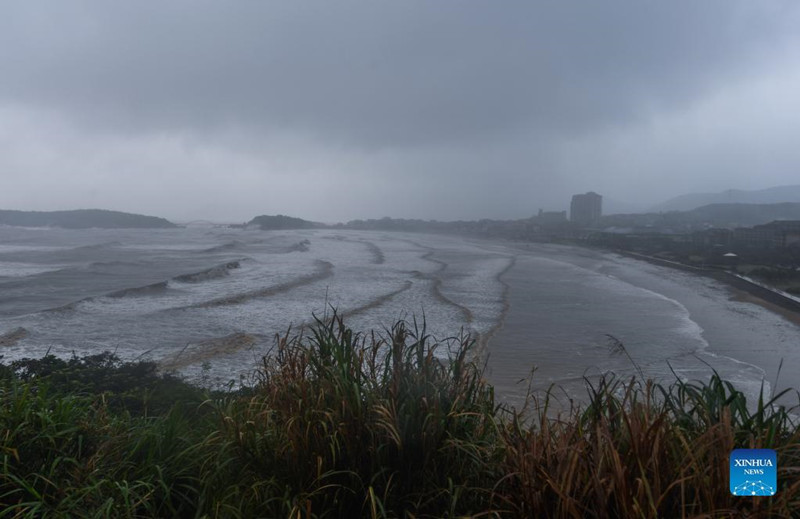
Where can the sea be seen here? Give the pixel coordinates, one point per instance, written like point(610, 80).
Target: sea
point(209, 301)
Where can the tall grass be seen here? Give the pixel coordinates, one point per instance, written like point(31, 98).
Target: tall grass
point(642, 449)
point(353, 425)
point(67, 454)
point(391, 424)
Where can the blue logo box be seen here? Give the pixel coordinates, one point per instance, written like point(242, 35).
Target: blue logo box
point(754, 472)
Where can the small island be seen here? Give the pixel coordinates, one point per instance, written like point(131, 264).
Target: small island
point(281, 223)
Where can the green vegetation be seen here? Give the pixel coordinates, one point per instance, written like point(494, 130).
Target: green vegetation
point(341, 424)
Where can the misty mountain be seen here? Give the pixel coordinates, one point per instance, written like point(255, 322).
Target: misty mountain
point(715, 215)
point(614, 206)
point(772, 195)
point(83, 219)
point(744, 215)
point(280, 222)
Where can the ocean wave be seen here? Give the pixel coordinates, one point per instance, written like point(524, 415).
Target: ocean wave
point(323, 269)
point(436, 292)
point(688, 327)
point(428, 256)
point(436, 286)
point(377, 254)
point(449, 288)
point(111, 264)
point(228, 246)
point(22, 270)
point(378, 301)
point(151, 289)
point(483, 339)
point(68, 307)
point(217, 272)
point(97, 246)
point(301, 246)
point(7, 248)
point(146, 290)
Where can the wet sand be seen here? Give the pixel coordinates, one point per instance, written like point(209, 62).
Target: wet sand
point(745, 297)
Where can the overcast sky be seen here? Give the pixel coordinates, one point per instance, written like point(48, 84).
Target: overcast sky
point(335, 110)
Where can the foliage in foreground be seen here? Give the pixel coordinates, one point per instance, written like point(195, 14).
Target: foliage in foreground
point(341, 424)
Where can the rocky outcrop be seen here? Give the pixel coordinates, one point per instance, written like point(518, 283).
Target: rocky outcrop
point(13, 337)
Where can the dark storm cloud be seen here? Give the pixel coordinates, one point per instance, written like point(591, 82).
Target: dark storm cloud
point(375, 74)
point(433, 109)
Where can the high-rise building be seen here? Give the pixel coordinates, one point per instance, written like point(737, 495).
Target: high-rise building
point(586, 209)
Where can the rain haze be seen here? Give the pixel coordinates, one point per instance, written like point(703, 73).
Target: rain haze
point(444, 110)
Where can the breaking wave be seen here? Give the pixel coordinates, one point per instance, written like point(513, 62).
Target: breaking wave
point(301, 246)
point(146, 290)
point(378, 301)
point(377, 254)
point(228, 246)
point(220, 271)
point(323, 270)
point(111, 264)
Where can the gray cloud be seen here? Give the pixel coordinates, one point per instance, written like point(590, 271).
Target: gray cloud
point(465, 96)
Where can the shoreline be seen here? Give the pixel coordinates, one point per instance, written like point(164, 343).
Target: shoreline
point(743, 296)
point(778, 359)
point(763, 338)
point(742, 289)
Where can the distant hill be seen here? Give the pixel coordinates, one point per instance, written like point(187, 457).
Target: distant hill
point(280, 222)
point(716, 215)
point(744, 215)
point(614, 206)
point(772, 195)
point(83, 219)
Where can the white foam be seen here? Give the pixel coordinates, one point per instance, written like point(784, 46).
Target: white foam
point(18, 270)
